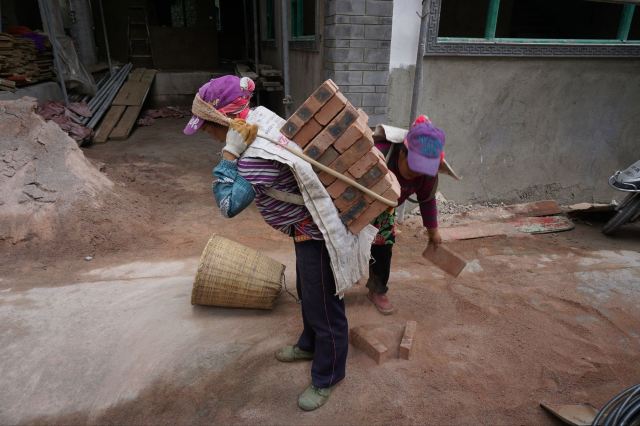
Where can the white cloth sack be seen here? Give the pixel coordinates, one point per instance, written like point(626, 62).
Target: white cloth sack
point(349, 253)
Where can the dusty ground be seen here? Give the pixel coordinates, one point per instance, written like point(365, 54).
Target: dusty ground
point(115, 340)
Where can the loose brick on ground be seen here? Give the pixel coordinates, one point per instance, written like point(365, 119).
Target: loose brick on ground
point(406, 346)
point(307, 133)
point(331, 109)
point(363, 340)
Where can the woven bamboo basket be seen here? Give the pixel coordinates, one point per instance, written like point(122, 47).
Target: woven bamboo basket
point(234, 276)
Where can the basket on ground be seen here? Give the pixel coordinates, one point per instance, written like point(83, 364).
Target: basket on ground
point(234, 276)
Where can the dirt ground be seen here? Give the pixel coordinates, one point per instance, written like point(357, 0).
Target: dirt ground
point(115, 340)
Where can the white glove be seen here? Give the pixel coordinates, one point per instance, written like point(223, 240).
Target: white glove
point(239, 137)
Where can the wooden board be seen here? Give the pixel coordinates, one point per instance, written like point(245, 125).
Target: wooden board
point(131, 93)
point(136, 74)
point(108, 123)
point(126, 123)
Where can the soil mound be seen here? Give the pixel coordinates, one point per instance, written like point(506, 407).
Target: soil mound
point(51, 193)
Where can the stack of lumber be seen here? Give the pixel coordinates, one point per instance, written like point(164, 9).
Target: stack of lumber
point(270, 78)
point(126, 107)
point(22, 62)
point(331, 131)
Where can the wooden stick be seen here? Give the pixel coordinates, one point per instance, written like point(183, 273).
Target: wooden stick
point(207, 112)
point(332, 172)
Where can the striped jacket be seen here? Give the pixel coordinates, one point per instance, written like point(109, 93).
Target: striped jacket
point(240, 182)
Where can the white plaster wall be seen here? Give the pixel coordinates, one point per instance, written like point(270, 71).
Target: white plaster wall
point(404, 33)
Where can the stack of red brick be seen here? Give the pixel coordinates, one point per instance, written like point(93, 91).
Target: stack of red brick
point(331, 131)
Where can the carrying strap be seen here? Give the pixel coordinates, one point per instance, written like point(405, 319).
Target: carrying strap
point(287, 197)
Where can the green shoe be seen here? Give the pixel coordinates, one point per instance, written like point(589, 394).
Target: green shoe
point(313, 398)
point(293, 353)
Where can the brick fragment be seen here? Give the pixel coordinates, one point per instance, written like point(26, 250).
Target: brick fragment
point(307, 133)
point(366, 162)
point(331, 109)
point(363, 340)
point(445, 259)
point(406, 346)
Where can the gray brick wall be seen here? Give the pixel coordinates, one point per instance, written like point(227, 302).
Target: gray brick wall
point(357, 39)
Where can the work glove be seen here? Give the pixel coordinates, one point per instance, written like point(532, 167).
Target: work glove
point(239, 137)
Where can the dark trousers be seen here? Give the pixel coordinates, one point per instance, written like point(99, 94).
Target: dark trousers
point(326, 332)
point(380, 268)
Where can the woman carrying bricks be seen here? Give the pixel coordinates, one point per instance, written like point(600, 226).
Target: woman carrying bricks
point(415, 163)
point(242, 179)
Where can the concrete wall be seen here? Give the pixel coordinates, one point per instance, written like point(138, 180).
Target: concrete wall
point(522, 129)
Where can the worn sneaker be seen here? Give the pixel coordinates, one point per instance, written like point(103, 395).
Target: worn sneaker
point(291, 353)
point(381, 302)
point(313, 398)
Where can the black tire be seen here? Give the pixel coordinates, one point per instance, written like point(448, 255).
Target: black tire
point(622, 216)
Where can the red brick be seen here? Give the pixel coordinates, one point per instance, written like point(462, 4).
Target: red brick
point(363, 340)
point(293, 125)
point(324, 92)
point(406, 346)
point(366, 162)
point(326, 178)
point(331, 109)
point(348, 198)
point(307, 133)
point(374, 175)
point(374, 210)
point(445, 259)
point(319, 144)
point(352, 155)
point(329, 156)
point(304, 112)
point(354, 211)
point(379, 188)
point(353, 133)
point(341, 122)
point(337, 188)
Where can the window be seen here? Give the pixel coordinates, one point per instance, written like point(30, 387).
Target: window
point(270, 27)
point(533, 28)
point(303, 19)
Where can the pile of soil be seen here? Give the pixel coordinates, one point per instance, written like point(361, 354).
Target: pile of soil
point(53, 197)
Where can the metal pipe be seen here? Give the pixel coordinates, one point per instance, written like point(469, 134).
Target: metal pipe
point(256, 44)
point(45, 16)
point(106, 39)
point(108, 94)
point(245, 22)
point(625, 21)
point(417, 78)
point(108, 85)
point(492, 19)
point(287, 101)
point(106, 104)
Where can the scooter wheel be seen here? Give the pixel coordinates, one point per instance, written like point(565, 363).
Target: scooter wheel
point(622, 216)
